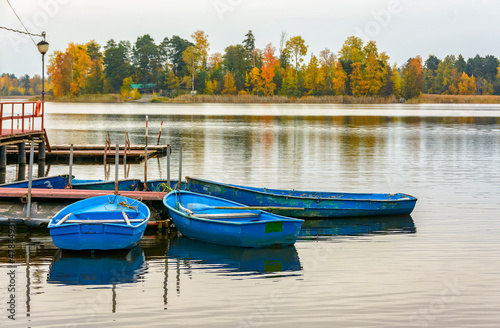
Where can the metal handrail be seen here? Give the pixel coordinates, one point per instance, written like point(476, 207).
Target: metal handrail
point(27, 112)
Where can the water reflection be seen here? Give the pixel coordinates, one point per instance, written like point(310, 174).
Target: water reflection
point(84, 268)
point(228, 259)
point(357, 226)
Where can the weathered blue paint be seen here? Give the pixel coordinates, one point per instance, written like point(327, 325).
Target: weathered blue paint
point(100, 268)
point(126, 185)
point(97, 235)
point(231, 258)
point(53, 182)
point(240, 232)
point(316, 204)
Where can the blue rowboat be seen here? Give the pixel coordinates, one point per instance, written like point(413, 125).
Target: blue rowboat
point(160, 185)
point(199, 217)
point(100, 268)
point(228, 259)
point(53, 182)
point(316, 204)
point(124, 185)
point(100, 223)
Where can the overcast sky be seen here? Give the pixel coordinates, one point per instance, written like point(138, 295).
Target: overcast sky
point(401, 28)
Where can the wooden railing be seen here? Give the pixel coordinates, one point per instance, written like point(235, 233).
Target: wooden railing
point(21, 117)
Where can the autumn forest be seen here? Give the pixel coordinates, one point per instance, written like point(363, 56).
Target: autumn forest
point(177, 66)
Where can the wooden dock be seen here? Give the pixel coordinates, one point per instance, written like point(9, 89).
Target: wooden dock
point(76, 194)
point(92, 153)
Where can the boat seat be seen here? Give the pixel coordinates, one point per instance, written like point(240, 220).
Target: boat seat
point(227, 215)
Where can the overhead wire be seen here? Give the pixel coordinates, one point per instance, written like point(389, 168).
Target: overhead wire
point(27, 32)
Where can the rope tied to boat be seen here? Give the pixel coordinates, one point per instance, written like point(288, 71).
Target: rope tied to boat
point(162, 187)
point(123, 203)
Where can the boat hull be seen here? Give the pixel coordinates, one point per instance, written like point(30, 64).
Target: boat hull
point(54, 182)
point(123, 185)
point(264, 230)
point(105, 229)
point(314, 204)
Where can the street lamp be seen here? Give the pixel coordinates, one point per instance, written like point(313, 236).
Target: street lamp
point(43, 47)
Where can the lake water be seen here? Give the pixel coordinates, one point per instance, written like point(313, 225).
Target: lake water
point(439, 267)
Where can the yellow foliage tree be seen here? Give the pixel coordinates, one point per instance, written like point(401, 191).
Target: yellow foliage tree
point(358, 84)
point(210, 87)
point(255, 81)
point(373, 75)
point(339, 78)
point(229, 85)
point(314, 77)
point(467, 85)
point(81, 66)
point(202, 45)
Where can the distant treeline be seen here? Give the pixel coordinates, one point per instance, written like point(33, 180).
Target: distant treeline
point(10, 85)
point(179, 66)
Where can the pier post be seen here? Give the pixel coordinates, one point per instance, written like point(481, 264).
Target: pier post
point(21, 153)
point(3, 158)
point(21, 173)
point(41, 151)
point(41, 169)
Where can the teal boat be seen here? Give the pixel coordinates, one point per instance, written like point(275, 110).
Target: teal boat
point(123, 185)
point(220, 221)
point(314, 204)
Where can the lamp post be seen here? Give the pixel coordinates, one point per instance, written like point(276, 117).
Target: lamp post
point(43, 47)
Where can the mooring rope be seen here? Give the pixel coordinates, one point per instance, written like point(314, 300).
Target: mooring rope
point(123, 203)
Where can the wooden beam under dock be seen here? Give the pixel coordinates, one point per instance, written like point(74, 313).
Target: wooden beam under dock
point(77, 194)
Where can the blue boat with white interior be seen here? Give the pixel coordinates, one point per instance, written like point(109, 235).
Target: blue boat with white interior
point(220, 221)
point(100, 223)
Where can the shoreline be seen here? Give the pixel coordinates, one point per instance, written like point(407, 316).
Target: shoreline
point(253, 99)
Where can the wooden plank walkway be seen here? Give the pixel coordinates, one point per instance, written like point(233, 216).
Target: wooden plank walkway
point(95, 152)
point(77, 194)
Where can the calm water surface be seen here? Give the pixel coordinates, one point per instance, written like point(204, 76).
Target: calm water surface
point(439, 267)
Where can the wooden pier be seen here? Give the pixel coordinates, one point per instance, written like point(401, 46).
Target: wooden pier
point(23, 122)
point(92, 153)
point(76, 194)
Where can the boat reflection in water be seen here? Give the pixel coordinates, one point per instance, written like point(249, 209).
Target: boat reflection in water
point(357, 226)
point(229, 259)
point(100, 268)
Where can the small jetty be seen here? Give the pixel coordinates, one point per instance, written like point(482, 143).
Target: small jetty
point(92, 153)
point(24, 122)
point(22, 128)
point(75, 194)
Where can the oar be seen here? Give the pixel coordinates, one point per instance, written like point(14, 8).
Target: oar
point(63, 219)
point(125, 217)
point(203, 207)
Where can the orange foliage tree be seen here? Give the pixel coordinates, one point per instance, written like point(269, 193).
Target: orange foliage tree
point(269, 63)
point(412, 78)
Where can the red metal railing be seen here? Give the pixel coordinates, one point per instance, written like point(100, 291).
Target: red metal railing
point(21, 117)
